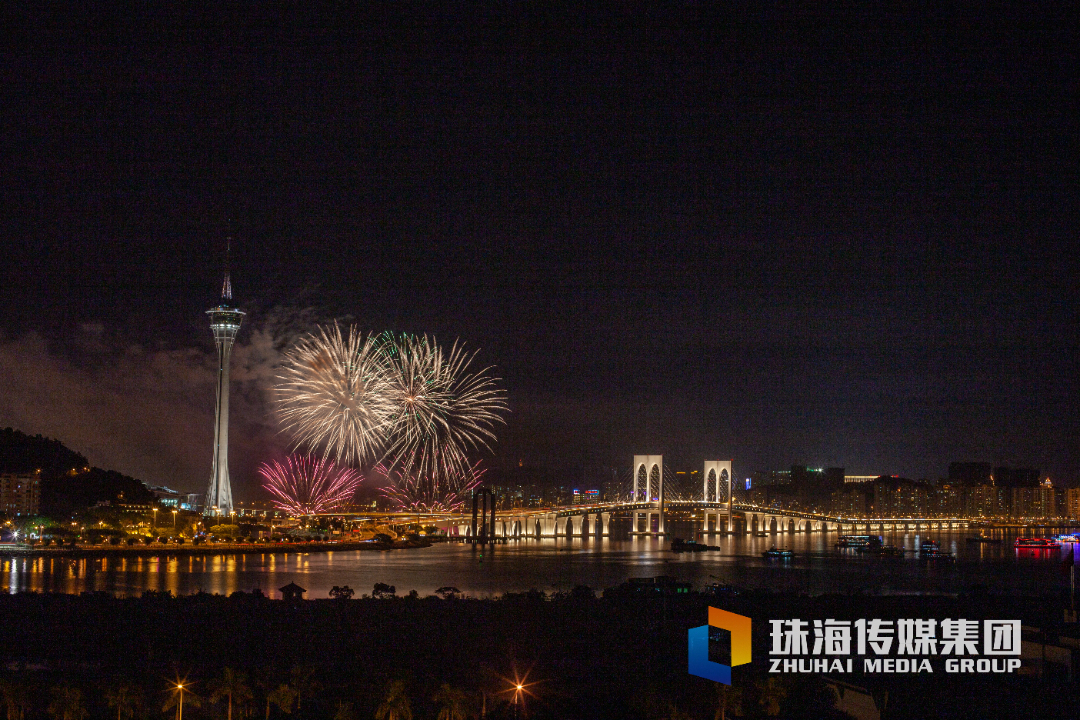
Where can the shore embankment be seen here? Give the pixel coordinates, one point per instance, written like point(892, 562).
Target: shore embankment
point(157, 549)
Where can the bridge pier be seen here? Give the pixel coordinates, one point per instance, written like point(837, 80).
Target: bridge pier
point(576, 522)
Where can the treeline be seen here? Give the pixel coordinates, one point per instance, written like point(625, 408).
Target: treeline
point(22, 453)
point(576, 655)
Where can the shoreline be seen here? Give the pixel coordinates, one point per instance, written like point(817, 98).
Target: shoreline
point(203, 549)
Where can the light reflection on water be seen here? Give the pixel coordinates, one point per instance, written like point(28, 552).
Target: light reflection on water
point(551, 565)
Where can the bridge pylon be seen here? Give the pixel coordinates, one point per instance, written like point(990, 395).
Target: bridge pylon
point(649, 488)
point(717, 486)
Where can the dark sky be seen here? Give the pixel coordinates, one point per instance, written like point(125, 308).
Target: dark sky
point(781, 235)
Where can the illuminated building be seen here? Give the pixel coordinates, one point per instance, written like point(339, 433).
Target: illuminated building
point(1072, 503)
point(225, 322)
point(20, 494)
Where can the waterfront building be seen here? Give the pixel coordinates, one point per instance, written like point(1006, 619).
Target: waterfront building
point(1037, 502)
point(20, 493)
point(1072, 503)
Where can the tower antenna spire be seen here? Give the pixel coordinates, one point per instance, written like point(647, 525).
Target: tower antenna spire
point(226, 287)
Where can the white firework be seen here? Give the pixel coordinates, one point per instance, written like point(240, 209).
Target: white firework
point(442, 410)
point(333, 395)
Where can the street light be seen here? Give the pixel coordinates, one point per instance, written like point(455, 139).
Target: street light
point(174, 520)
point(155, 517)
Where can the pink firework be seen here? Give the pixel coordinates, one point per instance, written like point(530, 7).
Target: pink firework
point(305, 485)
point(442, 490)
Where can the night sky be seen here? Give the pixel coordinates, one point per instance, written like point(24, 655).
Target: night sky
point(781, 235)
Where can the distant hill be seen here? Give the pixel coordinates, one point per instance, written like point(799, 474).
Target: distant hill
point(62, 495)
point(21, 453)
point(68, 483)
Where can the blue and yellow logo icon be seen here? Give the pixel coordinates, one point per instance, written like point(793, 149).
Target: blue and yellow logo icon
point(698, 645)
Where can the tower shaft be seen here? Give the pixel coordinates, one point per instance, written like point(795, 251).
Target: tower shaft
point(219, 494)
point(225, 322)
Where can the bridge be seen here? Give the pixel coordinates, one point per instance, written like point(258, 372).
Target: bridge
point(718, 511)
point(595, 521)
point(715, 510)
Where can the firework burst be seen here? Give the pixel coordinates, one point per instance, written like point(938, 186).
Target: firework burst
point(438, 491)
point(332, 393)
point(442, 409)
point(305, 485)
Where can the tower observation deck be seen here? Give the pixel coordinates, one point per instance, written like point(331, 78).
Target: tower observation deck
point(225, 321)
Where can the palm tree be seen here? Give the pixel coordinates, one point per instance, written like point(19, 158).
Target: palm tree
point(396, 705)
point(16, 698)
point(233, 686)
point(452, 703)
point(771, 693)
point(67, 703)
point(303, 682)
point(727, 696)
point(126, 698)
point(344, 711)
point(283, 696)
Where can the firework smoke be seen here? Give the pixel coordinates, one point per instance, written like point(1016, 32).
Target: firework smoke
point(304, 485)
point(332, 393)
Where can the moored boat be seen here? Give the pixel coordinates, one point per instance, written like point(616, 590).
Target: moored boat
point(1033, 543)
point(775, 553)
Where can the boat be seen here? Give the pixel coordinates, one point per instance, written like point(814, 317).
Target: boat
point(931, 550)
point(1032, 543)
point(774, 553)
point(679, 545)
point(858, 541)
point(984, 539)
point(1067, 538)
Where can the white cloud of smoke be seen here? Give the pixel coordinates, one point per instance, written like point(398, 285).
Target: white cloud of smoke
point(149, 413)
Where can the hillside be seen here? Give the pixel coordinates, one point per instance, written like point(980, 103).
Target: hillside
point(21, 453)
point(68, 483)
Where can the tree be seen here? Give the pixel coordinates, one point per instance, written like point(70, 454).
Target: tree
point(67, 703)
point(283, 696)
point(344, 711)
point(341, 593)
point(126, 698)
point(232, 686)
point(303, 682)
point(383, 591)
point(453, 703)
point(16, 698)
point(727, 697)
point(395, 705)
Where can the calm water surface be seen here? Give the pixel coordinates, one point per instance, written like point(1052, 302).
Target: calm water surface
point(552, 565)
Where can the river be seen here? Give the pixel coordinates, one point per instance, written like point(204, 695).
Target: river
point(555, 565)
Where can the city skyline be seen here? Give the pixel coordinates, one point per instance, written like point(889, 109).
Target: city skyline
point(691, 236)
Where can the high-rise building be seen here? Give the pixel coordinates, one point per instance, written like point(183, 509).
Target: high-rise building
point(225, 322)
point(1072, 503)
point(20, 494)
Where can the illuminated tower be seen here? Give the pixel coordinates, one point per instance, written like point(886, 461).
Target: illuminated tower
point(225, 322)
